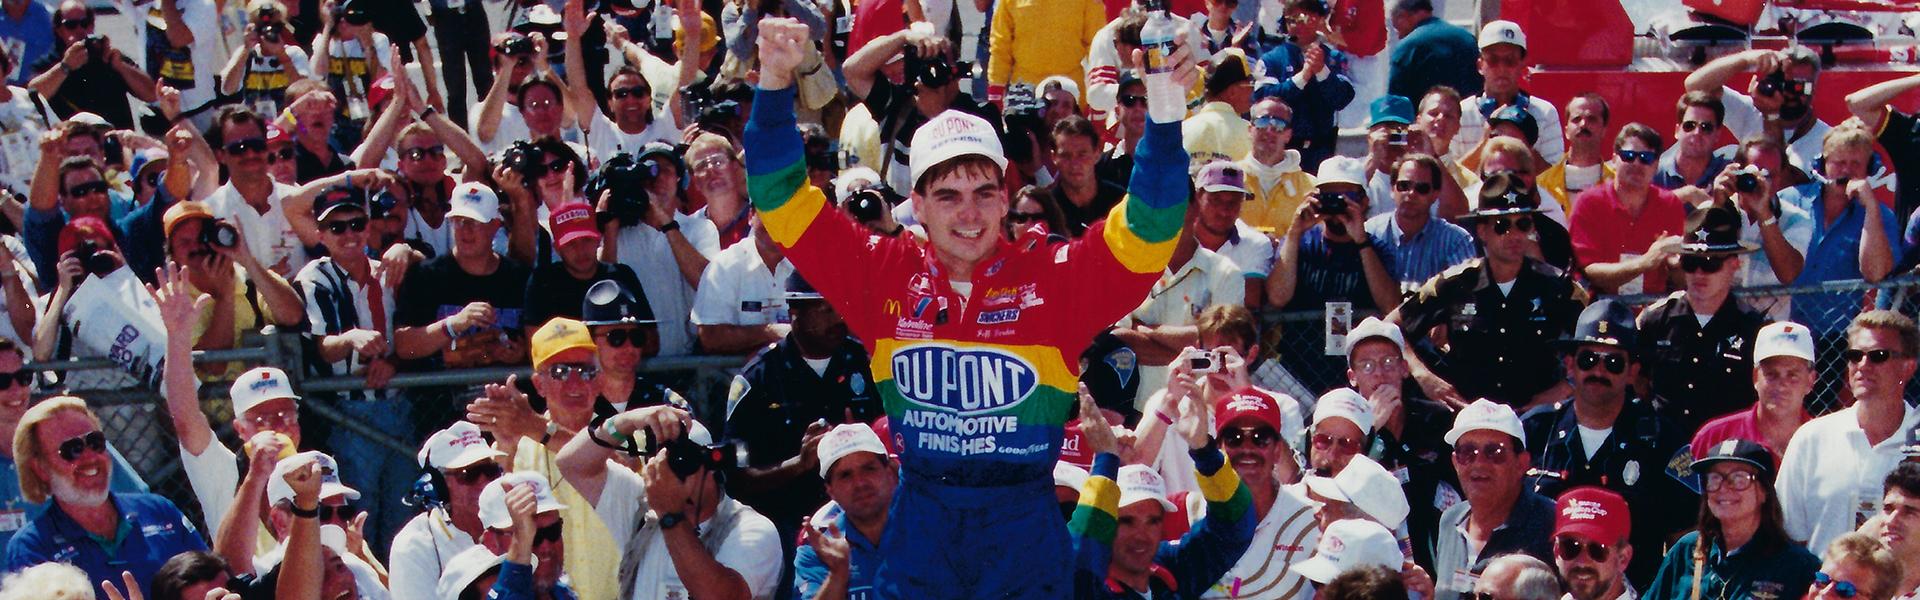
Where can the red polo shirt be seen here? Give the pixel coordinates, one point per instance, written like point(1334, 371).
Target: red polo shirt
point(1743, 425)
point(1603, 231)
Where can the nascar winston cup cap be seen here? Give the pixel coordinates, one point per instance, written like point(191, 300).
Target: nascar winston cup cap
point(330, 486)
point(474, 200)
point(844, 440)
point(1346, 404)
point(953, 134)
point(1594, 513)
point(259, 385)
point(1139, 483)
point(1282, 413)
point(1783, 338)
point(1486, 414)
point(1349, 544)
point(493, 499)
point(457, 446)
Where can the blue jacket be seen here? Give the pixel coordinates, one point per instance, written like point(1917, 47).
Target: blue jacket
point(1314, 105)
point(1184, 568)
point(515, 582)
point(151, 531)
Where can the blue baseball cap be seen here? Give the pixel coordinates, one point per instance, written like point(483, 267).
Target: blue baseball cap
point(1391, 109)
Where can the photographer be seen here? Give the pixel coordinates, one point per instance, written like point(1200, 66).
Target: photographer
point(88, 74)
point(715, 546)
point(1783, 231)
point(527, 100)
point(667, 249)
point(86, 247)
point(269, 62)
point(869, 201)
point(1779, 98)
point(246, 295)
point(351, 56)
point(931, 86)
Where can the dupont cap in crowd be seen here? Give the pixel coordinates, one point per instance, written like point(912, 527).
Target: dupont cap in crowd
point(1344, 403)
point(330, 486)
point(474, 200)
point(257, 386)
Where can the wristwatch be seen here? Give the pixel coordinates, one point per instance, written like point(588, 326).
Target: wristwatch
point(670, 520)
point(670, 226)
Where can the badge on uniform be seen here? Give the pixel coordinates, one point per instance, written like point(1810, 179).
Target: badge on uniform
point(1680, 468)
point(1630, 474)
point(857, 384)
point(735, 392)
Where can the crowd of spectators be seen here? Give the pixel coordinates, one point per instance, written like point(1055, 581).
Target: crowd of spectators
point(1478, 415)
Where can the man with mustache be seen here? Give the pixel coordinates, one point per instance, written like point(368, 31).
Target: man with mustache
point(1781, 94)
point(1602, 437)
point(1590, 531)
point(1585, 166)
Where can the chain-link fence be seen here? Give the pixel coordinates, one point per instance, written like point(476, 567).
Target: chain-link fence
point(1298, 341)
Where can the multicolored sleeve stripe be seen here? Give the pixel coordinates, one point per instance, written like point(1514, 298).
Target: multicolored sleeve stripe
point(1227, 498)
point(1094, 523)
point(776, 170)
point(1141, 231)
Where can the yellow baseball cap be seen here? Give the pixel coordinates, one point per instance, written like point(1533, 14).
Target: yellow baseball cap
point(560, 335)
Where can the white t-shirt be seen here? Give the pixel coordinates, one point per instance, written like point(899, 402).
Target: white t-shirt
point(753, 550)
point(606, 139)
point(647, 251)
point(207, 52)
point(421, 551)
point(20, 129)
point(215, 477)
point(1744, 120)
point(270, 236)
point(1756, 269)
point(738, 289)
point(513, 127)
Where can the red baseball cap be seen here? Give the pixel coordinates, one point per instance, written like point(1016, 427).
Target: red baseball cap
point(1595, 513)
point(1247, 403)
point(91, 227)
point(572, 221)
point(381, 89)
point(276, 135)
point(1073, 447)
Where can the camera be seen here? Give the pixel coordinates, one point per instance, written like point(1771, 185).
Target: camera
point(1747, 179)
point(869, 204)
point(1397, 137)
point(684, 456)
point(523, 157)
point(1330, 203)
point(92, 260)
point(96, 47)
point(518, 47)
point(930, 71)
point(1021, 117)
point(220, 234)
point(273, 32)
point(627, 178)
point(1203, 361)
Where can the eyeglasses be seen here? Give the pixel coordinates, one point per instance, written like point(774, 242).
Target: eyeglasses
point(1645, 157)
point(1133, 101)
point(284, 154)
point(1739, 480)
point(1374, 366)
point(550, 533)
point(1568, 548)
point(1260, 437)
point(94, 441)
point(1845, 589)
point(80, 23)
point(1703, 126)
point(630, 92)
point(1417, 187)
point(22, 377)
point(1853, 357)
point(1702, 264)
point(356, 224)
point(88, 188)
point(334, 513)
point(1322, 441)
point(421, 153)
point(711, 162)
point(564, 372)
point(1588, 359)
point(1494, 454)
point(1270, 123)
point(248, 145)
point(1501, 225)
point(278, 420)
point(620, 337)
point(477, 474)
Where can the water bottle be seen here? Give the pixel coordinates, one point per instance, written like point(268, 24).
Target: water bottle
point(662, 23)
point(1166, 100)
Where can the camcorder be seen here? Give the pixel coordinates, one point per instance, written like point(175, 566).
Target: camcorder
point(627, 178)
point(523, 157)
point(518, 47)
point(1021, 116)
point(92, 260)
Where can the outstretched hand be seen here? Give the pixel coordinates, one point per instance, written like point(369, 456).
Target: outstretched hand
point(784, 44)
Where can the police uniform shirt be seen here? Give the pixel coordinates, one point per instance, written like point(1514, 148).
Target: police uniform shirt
point(1499, 345)
point(775, 398)
point(1698, 371)
point(1637, 460)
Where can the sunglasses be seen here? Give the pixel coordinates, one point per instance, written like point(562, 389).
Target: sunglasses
point(153, 179)
point(1322, 441)
point(1501, 225)
point(1853, 357)
point(565, 372)
point(477, 474)
point(619, 337)
point(1739, 480)
point(1494, 454)
point(421, 153)
point(22, 377)
point(1702, 126)
point(631, 92)
point(1023, 218)
point(1417, 187)
point(1260, 437)
point(1133, 101)
point(1844, 589)
point(356, 224)
point(79, 23)
point(1568, 548)
point(94, 441)
point(334, 513)
point(1270, 123)
point(1588, 359)
point(1645, 157)
point(557, 165)
point(249, 145)
point(88, 188)
point(1702, 264)
point(550, 533)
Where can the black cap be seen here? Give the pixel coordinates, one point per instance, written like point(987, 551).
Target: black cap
point(337, 198)
point(609, 303)
point(1519, 117)
point(1229, 69)
point(1112, 373)
point(1715, 229)
point(799, 289)
point(1505, 193)
point(664, 152)
point(1606, 322)
point(1737, 450)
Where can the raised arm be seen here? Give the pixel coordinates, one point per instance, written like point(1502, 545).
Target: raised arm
point(235, 72)
point(1870, 103)
point(301, 569)
point(179, 309)
point(688, 60)
point(1876, 245)
point(399, 114)
point(578, 92)
point(486, 122)
point(1715, 74)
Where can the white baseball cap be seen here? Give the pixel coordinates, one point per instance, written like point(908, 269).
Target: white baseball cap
point(953, 134)
point(474, 200)
point(330, 486)
point(1486, 414)
point(259, 385)
point(1349, 544)
point(457, 446)
point(493, 499)
point(847, 439)
point(851, 179)
point(1369, 487)
point(1344, 403)
point(1374, 327)
point(334, 538)
point(1783, 338)
point(1502, 32)
point(1341, 169)
point(1069, 475)
point(464, 569)
point(1140, 483)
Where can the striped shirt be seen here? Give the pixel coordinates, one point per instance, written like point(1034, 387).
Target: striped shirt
point(1438, 246)
point(1285, 536)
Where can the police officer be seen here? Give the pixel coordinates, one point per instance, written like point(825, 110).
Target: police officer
point(1501, 312)
point(1700, 370)
point(1602, 436)
point(624, 329)
point(788, 396)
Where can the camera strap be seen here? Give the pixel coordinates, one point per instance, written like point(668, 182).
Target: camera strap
point(713, 534)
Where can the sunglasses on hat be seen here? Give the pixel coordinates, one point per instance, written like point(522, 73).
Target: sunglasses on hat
point(94, 441)
point(1588, 359)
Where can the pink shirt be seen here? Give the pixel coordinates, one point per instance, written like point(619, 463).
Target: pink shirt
point(1603, 231)
point(1743, 425)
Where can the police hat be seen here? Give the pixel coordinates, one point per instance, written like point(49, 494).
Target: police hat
point(609, 303)
point(1505, 193)
point(1714, 229)
point(1738, 450)
point(1112, 374)
point(1606, 322)
point(799, 289)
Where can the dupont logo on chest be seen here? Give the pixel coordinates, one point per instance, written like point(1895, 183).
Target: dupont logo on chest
point(968, 381)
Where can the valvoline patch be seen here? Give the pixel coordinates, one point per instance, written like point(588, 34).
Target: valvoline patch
point(966, 381)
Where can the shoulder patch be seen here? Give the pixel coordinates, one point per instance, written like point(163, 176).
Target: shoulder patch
point(736, 392)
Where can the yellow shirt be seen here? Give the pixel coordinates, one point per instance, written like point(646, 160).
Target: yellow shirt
point(593, 562)
point(1035, 39)
point(247, 317)
point(1554, 180)
point(1278, 191)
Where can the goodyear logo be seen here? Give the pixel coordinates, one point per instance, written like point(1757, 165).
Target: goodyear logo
point(965, 380)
